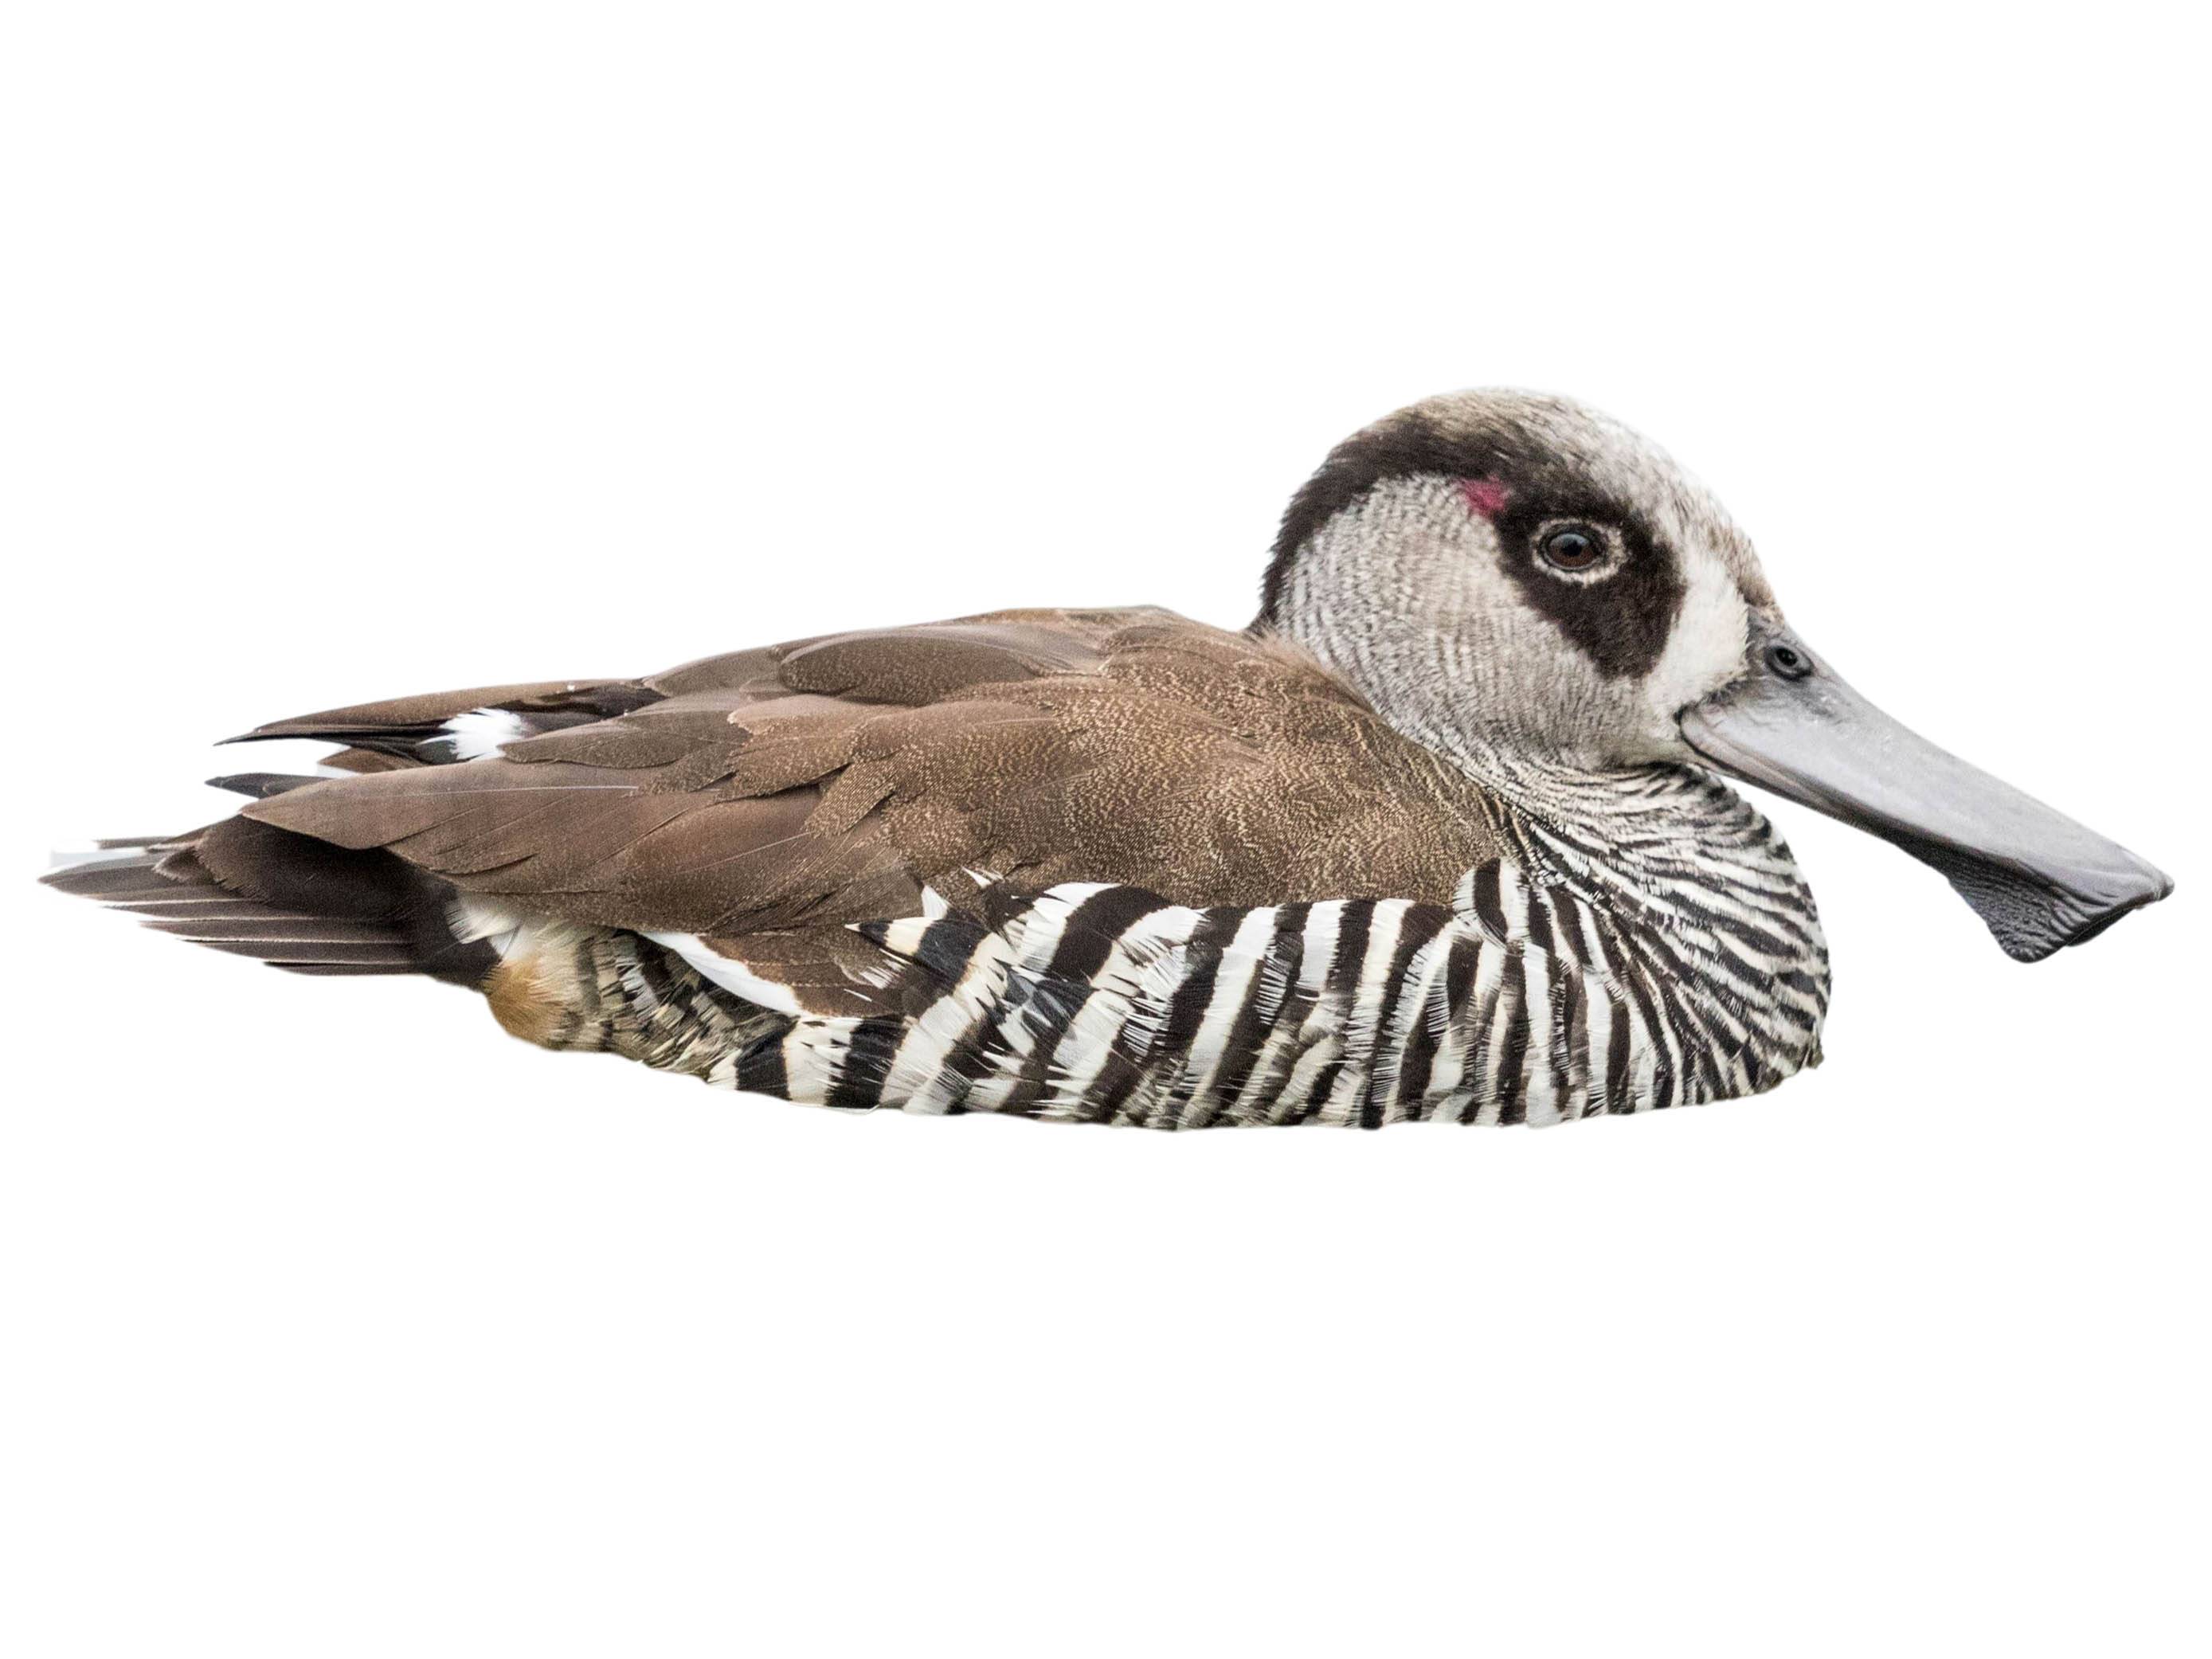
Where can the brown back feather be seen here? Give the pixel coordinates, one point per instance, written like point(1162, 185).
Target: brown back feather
point(828, 781)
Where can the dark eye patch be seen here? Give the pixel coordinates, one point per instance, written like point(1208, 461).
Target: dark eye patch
point(1621, 622)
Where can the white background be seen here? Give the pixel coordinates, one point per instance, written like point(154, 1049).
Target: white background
point(355, 351)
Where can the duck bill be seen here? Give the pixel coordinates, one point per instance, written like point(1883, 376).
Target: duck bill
point(2039, 880)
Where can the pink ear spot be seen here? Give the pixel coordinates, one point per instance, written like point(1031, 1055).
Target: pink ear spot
point(1486, 495)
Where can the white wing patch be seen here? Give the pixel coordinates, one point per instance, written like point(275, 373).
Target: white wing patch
point(472, 917)
point(482, 732)
point(730, 975)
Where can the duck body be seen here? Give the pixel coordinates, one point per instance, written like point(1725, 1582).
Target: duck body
point(1439, 836)
point(798, 871)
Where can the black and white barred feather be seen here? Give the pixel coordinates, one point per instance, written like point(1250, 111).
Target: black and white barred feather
point(1672, 971)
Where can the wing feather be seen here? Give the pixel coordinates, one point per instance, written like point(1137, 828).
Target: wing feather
point(829, 781)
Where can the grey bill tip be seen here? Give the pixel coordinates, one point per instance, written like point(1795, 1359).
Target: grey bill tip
point(2039, 880)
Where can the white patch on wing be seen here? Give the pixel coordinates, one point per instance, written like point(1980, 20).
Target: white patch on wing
point(933, 904)
point(473, 917)
point(728, 973)
point(481, 733)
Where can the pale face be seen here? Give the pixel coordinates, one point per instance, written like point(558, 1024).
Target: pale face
point(1522, 573)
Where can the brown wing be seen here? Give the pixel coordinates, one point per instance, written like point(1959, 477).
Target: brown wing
point(830, 779)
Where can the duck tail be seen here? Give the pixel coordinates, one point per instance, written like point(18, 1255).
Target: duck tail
point(289, 900)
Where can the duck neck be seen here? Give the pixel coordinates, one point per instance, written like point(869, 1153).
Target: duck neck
point(1703, 894)
point(1666, 849)
point(1640, 840)
point(1695, 909)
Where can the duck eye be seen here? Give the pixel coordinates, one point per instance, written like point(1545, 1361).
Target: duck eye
point(1572, 549)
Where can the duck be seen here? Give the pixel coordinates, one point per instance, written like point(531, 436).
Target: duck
point(1448, 832)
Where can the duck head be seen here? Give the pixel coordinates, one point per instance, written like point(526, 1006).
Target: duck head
point(1529, 586)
